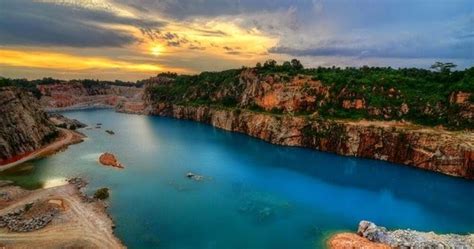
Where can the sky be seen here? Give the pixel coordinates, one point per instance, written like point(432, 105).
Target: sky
point(135, 39)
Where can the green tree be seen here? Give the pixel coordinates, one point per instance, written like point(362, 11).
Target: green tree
point(269, 63)
point(296, 64)
point(443, 67)
point(286, 65)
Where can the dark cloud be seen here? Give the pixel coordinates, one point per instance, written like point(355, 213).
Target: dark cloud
point(211, 8)
point(47, 24)
point(407, 49)
point(193, 47)
point(169, 38)
point(211, 32)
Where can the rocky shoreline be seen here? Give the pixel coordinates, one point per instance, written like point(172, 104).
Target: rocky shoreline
point(79, 107)
point(450, 153)
point(370, 236)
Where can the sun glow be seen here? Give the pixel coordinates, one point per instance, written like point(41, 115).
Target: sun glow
point(157, 49)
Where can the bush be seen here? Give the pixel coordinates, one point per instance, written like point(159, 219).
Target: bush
point(101, 194)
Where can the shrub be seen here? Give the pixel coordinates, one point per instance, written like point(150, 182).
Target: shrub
point(101, 194)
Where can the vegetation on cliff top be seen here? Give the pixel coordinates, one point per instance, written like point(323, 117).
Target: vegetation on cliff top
point(426, 93)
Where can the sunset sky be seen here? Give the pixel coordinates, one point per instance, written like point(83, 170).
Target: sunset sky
point(135, 39)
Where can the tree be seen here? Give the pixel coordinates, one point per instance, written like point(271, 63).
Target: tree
point(286, 65)
point(296, 64)
point(443, 67)
point(269, 63)
point(259, 65)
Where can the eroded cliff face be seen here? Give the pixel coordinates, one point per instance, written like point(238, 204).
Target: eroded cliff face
point(437, 150)
point(24, 126)
point(70, 95)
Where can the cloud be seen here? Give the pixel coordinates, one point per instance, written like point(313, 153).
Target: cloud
point(395, 49)
point(40, 59)
point(47, 24)
point(180, 9)
point(383, 30)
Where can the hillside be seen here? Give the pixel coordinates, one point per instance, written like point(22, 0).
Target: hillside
point(417, 95)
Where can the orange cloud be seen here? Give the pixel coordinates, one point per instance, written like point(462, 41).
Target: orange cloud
point(61, 61)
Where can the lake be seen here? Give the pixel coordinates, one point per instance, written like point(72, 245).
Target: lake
point(253, 195)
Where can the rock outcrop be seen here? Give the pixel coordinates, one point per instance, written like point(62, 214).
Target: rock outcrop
point(61, 121)
point(432, 149)
point(24, 126)
point(352, 241)
point(413, 239)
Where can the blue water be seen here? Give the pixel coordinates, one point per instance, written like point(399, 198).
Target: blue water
point(254, 195)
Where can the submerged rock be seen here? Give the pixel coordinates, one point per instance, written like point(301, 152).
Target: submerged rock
point(109, 159)
point(195, 177)
point(262, 207)
point(111, 132)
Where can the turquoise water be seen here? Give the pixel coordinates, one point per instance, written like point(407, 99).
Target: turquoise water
point(254, 195)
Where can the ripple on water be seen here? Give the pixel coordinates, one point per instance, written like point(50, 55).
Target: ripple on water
point(90, 157)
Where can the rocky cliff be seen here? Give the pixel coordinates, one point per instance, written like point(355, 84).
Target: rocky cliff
point(443, 151)
point(76, 95)
point(296, 111)
point(24, 127)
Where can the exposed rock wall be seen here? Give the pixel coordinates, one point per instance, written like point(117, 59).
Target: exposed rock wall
point(24, 127)
point(64, 96)
point(447, 152)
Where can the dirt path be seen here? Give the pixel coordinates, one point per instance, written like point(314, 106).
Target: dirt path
point(68, 137)
point(80, 225)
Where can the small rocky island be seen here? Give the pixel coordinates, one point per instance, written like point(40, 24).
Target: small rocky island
point(109, 159)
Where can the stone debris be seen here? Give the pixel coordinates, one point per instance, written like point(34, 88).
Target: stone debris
point(78, 182)
point(17, 221)
point(413, 239)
